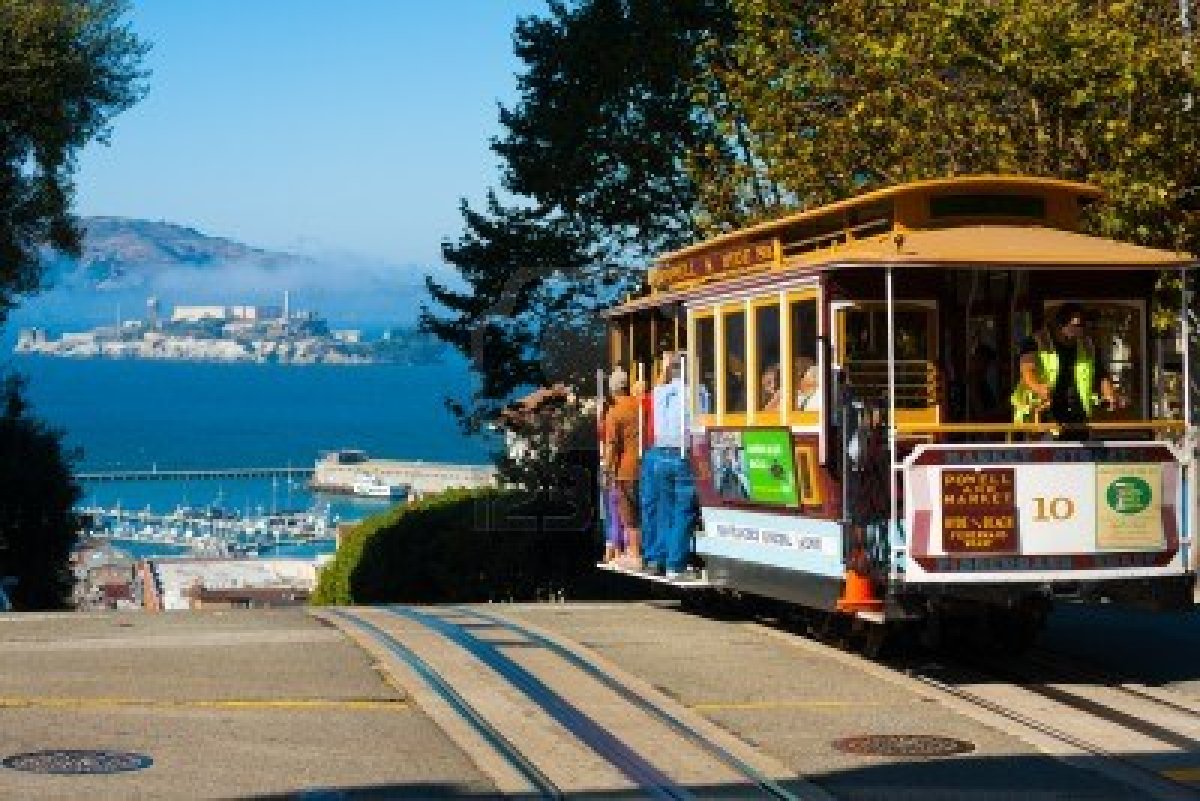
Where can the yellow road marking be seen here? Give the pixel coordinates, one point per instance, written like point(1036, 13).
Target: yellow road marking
point(786, 704)
point(1183, 774)
point(279, 703)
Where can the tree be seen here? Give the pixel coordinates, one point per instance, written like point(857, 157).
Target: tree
point(593, 154)
point(839, 97)
point(37, 497)
point(67, 67)
point(527, 273)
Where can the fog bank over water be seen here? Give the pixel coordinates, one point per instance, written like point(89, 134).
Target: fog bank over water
point(126, 261)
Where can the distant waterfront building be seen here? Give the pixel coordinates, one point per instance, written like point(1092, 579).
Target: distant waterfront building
point(196, 314)
point(255, 313)
point(152, 312)
point(187, 583)
point(30, 339)
point(82, 338)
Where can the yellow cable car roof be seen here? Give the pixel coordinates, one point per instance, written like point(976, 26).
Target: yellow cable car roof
point(980, 182)
point(971, 243)
point(1008, 246)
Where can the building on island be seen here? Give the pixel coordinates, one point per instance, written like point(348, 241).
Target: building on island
point(239, 332)
point(197, 314)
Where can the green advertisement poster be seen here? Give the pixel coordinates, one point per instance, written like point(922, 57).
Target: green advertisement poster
point(769, 466)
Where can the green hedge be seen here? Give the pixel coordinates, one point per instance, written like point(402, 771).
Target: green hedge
point(465, 546)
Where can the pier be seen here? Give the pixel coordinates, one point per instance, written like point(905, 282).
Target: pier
point(294, 473)
point(335, 473)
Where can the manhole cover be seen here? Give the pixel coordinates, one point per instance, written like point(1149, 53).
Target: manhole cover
point(77, 762)
point(903, 745)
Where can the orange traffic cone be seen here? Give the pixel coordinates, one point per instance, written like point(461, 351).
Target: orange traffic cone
point(858, 593)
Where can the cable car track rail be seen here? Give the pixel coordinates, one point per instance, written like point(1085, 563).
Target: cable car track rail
point(499, 743)
point(1108, 762)
point(485, 668)
point(770, 788)
point(645, 775)
point(1113, 681)
point(1057, 722)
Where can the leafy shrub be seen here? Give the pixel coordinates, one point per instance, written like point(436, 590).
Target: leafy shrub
point(467, 546)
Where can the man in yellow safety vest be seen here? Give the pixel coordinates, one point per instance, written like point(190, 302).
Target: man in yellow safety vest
point(1060, 374)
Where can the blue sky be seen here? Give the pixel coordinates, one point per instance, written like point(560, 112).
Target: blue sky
point(313, 126)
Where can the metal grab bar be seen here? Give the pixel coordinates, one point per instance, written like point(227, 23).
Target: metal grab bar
point(1036, 428)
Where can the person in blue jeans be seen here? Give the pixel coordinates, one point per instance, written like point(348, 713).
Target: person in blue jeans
point(668, 489)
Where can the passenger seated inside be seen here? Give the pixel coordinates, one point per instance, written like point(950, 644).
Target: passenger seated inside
point(770, 390)
point(806, 380)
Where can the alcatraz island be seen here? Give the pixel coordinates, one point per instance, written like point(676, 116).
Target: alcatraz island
point(246, 333)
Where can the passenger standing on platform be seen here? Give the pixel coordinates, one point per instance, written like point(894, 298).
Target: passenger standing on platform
point(623, 460)
point(668, 486)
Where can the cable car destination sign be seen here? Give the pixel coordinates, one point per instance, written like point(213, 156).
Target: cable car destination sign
point(1028, 509)
point(745, 257)
point(979, 511)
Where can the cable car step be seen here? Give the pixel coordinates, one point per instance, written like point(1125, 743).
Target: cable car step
point(691, 584)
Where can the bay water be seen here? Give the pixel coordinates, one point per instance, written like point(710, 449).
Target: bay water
point(142, 415)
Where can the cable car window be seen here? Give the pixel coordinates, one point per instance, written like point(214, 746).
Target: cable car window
point(806, 377)
point(642, 353)
point(866, 335)
point(662, 329)
point(664, 333)
point(766, 350)
point(865, 354)
point(734, 400)
point(706, 366)
point(619, 345)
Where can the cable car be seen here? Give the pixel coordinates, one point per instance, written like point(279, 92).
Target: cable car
point(851, 371)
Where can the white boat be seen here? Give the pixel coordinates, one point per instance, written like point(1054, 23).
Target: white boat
point(370, 486)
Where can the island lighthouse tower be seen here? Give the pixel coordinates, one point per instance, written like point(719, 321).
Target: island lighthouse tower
point(152, 310)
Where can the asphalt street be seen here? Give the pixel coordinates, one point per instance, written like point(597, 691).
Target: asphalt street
point(279, 704)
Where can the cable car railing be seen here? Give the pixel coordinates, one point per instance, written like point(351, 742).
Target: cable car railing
point(918, 382)
point(919, 385)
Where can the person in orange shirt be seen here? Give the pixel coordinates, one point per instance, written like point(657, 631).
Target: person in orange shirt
point(622, 461)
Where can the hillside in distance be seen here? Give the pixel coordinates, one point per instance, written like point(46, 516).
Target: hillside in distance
point(124, 261)
point(119, 252)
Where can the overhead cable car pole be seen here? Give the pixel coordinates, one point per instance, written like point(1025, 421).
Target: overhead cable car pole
point(1193, 517)
point(891, 370)
point(1189, 435)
